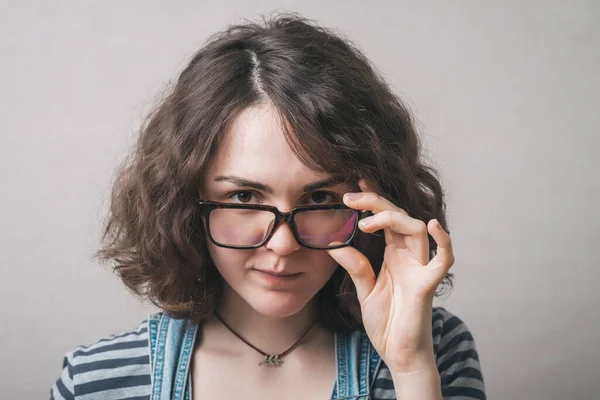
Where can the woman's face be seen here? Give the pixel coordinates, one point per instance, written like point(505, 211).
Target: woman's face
point(254, 149)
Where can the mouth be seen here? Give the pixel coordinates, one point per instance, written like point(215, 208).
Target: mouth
point(278, 274)
point(277, 279)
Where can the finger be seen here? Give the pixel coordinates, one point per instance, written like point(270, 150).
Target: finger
point(365, 186)
point(359, 268)
point(396, 221)
point(414, 231)
point(390, 238)
point(444, 257)
point(370, 201)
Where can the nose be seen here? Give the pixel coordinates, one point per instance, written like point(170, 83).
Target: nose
point(283, 241)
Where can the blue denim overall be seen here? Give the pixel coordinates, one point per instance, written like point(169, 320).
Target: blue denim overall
point(172, 343)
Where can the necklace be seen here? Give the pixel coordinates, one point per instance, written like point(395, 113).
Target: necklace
point(270, 359)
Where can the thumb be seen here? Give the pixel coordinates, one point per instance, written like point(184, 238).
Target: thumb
point(359, 268)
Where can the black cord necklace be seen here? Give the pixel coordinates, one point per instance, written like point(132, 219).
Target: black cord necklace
point(270, 359)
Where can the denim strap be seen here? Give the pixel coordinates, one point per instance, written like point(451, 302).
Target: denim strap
point(357, 363)
point(171, 345)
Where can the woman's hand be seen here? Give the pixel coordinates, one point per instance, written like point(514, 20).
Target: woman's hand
point(397, 305)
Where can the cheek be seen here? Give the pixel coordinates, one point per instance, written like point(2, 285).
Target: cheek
point(229, 262)
point(322, 266)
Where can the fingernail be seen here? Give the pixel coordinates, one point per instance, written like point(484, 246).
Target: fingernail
point(365, 222)
point(352, 196)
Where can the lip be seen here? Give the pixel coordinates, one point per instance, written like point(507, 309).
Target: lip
point(277, 279)
point(280, 274)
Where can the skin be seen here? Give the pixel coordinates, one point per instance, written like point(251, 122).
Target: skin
point(396, 307)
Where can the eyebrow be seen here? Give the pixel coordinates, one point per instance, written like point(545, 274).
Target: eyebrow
point(242, 182)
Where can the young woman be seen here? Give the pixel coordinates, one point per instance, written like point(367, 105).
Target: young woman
point(277, 210)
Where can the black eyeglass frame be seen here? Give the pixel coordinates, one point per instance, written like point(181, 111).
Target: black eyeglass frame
point(206, 207)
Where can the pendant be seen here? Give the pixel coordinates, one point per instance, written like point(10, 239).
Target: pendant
point(271, 359)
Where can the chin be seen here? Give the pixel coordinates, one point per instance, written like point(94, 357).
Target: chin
point(277, 304)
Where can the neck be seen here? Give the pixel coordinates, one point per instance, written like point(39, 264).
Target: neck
point(271, 334)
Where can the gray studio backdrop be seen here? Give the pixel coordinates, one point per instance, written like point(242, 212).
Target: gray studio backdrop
point(506, 96)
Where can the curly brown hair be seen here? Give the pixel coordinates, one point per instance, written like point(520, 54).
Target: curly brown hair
point(341, 116)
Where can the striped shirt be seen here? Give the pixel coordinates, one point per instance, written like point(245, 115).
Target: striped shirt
point(118, 366)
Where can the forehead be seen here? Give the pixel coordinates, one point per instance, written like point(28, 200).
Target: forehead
point(255, 147)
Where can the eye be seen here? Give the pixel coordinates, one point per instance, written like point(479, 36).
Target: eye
point(243, 196)
point(321, 197)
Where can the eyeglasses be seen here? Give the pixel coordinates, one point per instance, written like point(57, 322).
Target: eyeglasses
point(249, 226)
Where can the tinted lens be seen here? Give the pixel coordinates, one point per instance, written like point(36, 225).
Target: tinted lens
point(238, 227)
point(318, 228)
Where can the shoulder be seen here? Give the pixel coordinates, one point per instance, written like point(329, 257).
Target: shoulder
point(456, 356)
point(450, 333)
point(113, 366)
point(446, 323)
